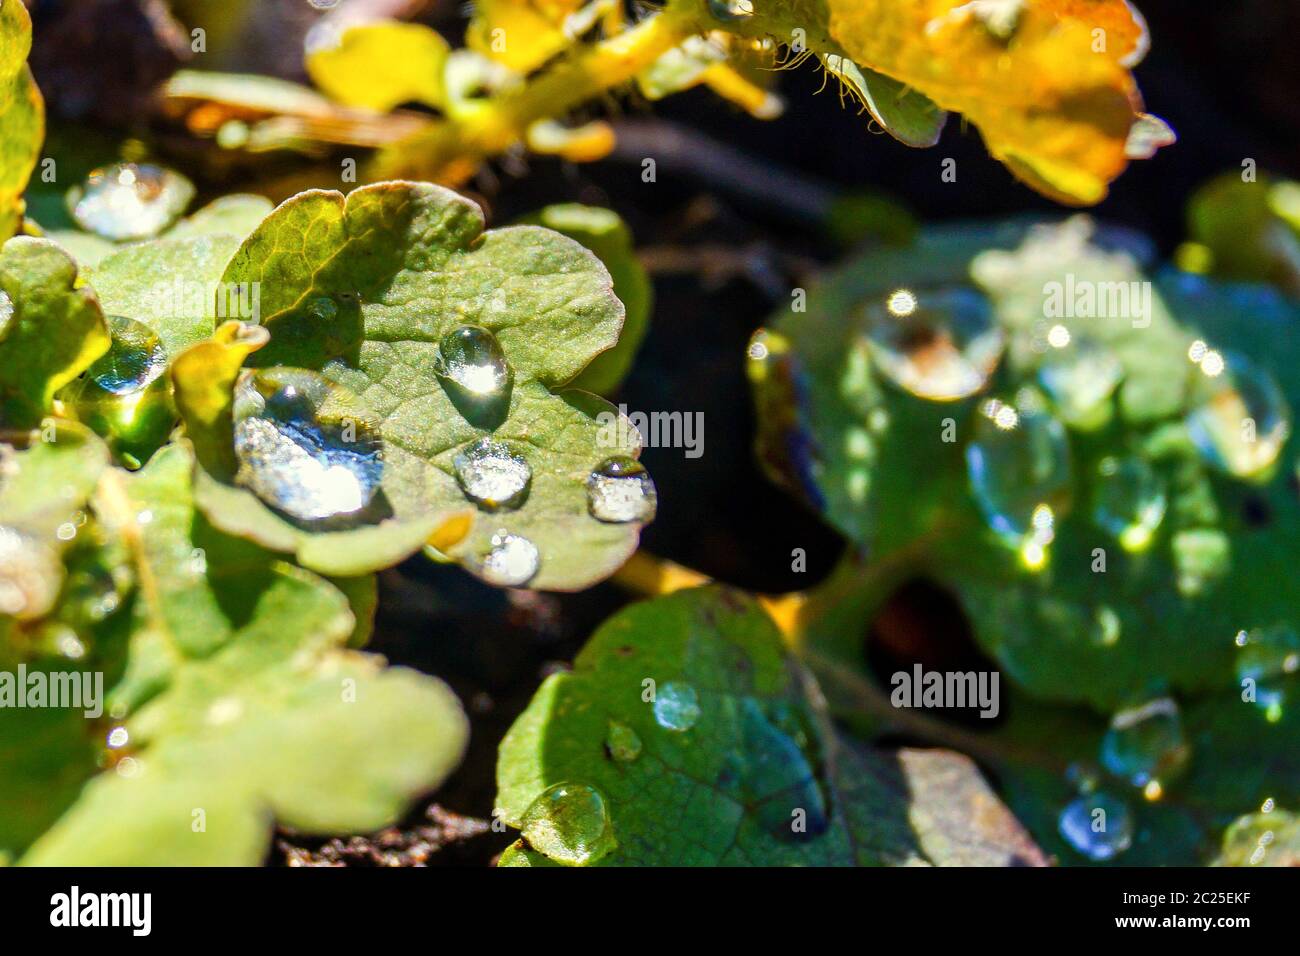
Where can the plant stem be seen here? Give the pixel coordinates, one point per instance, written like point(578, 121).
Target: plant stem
point(453, 148)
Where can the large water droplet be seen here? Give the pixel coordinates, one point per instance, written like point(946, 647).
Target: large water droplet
point(491, 475)
point(1079, 374)
point(1128, 501)
point(471, 358)
point(622, 742)
point(135, 359)
point(1145, 744)
point(304, 447)
point(941, 345)
point(778, 779)
point(676, 706)
point(512, 561)
point(1240, 420)
point(1268, 656)
point(620, 489)
point(1098, 825)
point(31, 575)
point(569, 823)
point(1019, 467)
point(129, 201)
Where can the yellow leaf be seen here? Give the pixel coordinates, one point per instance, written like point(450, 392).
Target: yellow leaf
point(1046, 81)
point(381, 65)
point(204, 380)
point(521, 34)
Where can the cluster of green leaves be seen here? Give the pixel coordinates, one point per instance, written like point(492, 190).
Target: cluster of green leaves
point(1078, 640)
point(217, 641)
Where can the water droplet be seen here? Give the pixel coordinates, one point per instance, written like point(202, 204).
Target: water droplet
point(941, 345)
point(512, 562)
point(1097, 825)
point(677, 706)
point(31, 575)
point(1128, 501)
point(1146, 743)
point(135, 359)
point(118, 737)
point(1079, 375)
point(1268, 656)
point(491, 475)
point(1019, 467)
point(129, 201)
point(569, 823)
point(304, 446)
point(323, 309)
point(622, 742)
point(471, 358)
point(620, 489)
point(1240, 420)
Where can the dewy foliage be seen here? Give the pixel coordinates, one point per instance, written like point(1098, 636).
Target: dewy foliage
point(1162, 614)
point(756, 776)
point(363, 290)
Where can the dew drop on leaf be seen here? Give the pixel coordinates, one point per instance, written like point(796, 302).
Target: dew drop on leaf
point(129, 200)
point(491, 475)
point(622, 742)
point(471, 358)
point(1018, 463)
point(30, 575)
point(1145, 743)
point(1269, 656)
point(512, 561)
point(1128, 501)
point(1240, 420)
point(302, 446)
point(620, 490)
point(677, 706)
point(569, 823)
point(135, 358)
point(1098, 825)
point(940, 344)
point(1079, 374)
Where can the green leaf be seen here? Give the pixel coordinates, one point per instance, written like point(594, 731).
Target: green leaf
point(50, 329)
point(604, 233)
point(173, 285)
point(363, 290)
point(901, 112)
point(22, 114)
point(754, 759)
point(243, 706)
point(872, 457)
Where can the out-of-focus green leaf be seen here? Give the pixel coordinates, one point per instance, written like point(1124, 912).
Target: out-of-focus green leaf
point(242, 706)
point(50, 329)
point(22, 114)
point(364, 291)
point(1247, 230)
point(604, 233)
point(874, 458)
point(707, 745)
